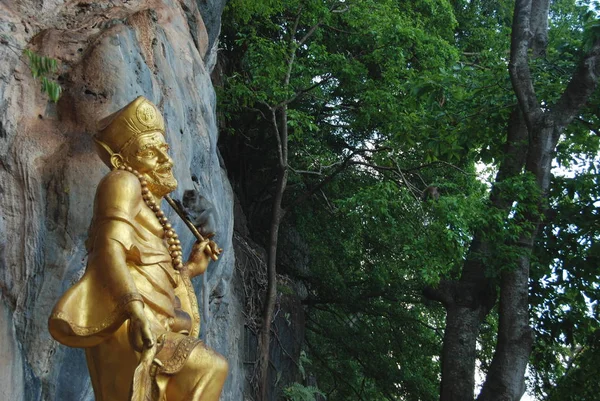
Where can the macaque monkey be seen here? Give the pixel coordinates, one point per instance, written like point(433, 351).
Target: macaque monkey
point(431, 192)
point(200, 212)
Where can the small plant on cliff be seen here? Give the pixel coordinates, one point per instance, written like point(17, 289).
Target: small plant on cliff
point(41, 67)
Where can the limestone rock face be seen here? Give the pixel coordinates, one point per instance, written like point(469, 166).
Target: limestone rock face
point(109, 53)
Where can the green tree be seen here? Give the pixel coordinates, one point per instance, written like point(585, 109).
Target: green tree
point(327, 81)
point(355, 108)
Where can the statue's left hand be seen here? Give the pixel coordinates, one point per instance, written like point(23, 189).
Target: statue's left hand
point(201, 253)
point(140, 334)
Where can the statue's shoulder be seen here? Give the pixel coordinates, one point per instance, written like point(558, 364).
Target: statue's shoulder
point(119, 178)
point(119, 189)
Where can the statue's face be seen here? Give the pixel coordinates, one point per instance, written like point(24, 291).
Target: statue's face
point(148, 155)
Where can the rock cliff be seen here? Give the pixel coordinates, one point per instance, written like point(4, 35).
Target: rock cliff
point(109, 52)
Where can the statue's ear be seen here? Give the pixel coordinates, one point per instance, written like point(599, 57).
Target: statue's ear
point(111, 159)
point(116, 160)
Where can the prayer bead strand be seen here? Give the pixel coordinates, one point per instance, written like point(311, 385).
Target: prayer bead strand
point(174, 244)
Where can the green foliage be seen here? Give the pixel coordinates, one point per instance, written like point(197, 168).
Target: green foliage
point(580, 379)
point(381, 247)
point(41, 67)
point(380, 74)
point(591, 27)
point(407, 94)
point(565, 278)
point(299, 392)
point(302, 362)
point(284, 289)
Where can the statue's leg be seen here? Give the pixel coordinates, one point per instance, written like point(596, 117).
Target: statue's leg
point(111, 365)
point(201, 378)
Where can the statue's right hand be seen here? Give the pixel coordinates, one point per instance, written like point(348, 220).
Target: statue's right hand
point(140, 334)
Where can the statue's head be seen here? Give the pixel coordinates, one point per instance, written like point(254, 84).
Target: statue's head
point(135, 136)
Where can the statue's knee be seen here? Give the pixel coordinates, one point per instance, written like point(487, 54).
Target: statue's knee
point(204, 361)
point(220, 366)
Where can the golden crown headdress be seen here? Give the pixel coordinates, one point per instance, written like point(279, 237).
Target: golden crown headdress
point(123, 126)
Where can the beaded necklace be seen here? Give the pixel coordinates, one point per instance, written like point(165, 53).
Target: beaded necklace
point(172, 238)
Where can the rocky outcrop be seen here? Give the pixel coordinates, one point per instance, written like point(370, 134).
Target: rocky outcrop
point(109, 53)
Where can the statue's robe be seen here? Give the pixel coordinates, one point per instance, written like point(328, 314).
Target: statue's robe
point(129, 261)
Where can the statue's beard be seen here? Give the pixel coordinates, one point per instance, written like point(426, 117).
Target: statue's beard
point(161, 184)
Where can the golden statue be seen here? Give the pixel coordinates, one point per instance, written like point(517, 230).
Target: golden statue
point(134, 310)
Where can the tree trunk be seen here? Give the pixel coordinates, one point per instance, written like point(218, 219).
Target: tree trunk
point(506, 377)
point(271, 295)
point(467, 303)
point(277, 213)
point(281, 131)
point(469, 300)
point(505, 380)
point(458, 353)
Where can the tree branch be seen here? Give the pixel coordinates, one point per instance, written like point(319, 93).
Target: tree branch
point(277, 136)
point(589, 125)
point(409, 186)
point(321, 168)
point(539, 27)
point(303, 91)
point(373, 166)
point(443, 293)
point(412, 169)
point(320, 185)
point(520, 75)
point(579, 89)
point(293, 48)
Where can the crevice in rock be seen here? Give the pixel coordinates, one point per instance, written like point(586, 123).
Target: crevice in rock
point(192, 25)
point(3, 133)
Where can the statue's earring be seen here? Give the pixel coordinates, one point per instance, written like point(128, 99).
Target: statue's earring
point(116, 160)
